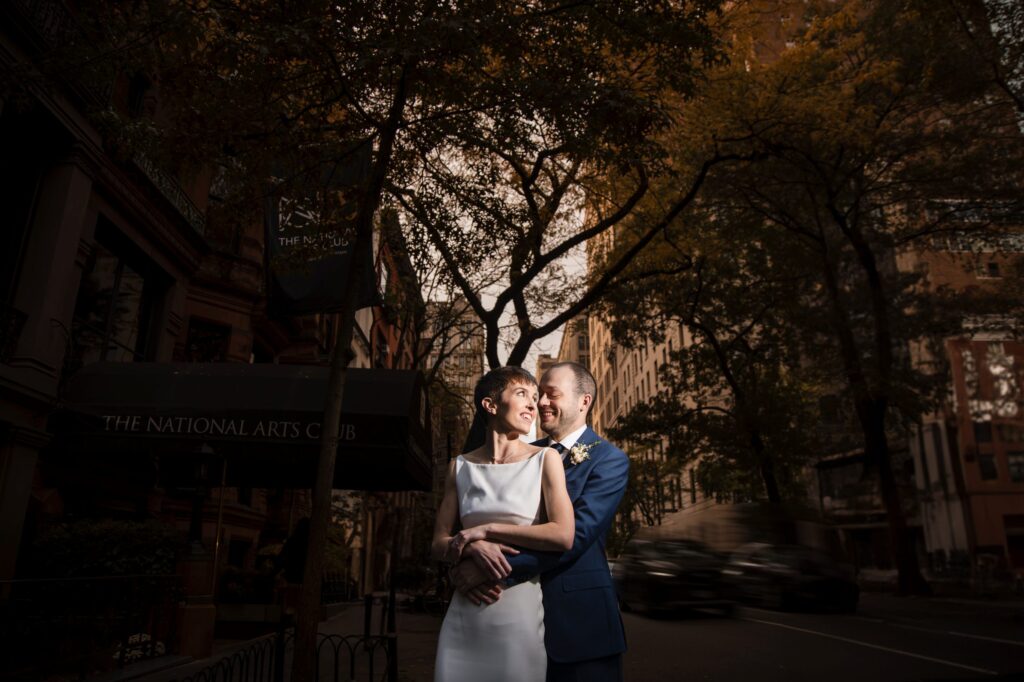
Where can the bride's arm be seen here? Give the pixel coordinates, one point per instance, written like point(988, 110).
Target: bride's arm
point(447, 519)
point(555, 535)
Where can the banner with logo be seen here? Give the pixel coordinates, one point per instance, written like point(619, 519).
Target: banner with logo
point(309, 233)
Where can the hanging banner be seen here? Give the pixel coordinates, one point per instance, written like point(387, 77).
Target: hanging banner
point(309, 243)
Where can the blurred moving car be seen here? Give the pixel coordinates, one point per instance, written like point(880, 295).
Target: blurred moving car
point(662, 575)
point(787, 577)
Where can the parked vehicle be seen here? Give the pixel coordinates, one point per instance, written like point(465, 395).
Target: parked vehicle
point(662, 575)
point(785, 577)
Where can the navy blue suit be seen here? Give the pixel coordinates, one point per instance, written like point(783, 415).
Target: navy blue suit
point(581, 612)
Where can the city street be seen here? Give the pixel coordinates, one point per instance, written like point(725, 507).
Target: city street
point(888, 639)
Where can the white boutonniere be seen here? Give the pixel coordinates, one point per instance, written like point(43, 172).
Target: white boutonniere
point(580, 452)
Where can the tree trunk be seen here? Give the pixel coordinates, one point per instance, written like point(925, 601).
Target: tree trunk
point(747, 419)
point(871, 410)
point(308, 617)
point(876, 451)
point(766, 465)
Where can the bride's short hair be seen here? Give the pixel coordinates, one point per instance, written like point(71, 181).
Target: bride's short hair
point(494, 383)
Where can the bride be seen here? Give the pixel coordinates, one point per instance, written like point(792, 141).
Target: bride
point(509, 493)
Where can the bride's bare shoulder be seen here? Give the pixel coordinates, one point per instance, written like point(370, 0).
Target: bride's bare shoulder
point(476, 456)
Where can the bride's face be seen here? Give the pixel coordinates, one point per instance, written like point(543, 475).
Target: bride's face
point(517, 408)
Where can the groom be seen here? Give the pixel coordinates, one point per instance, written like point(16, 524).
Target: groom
point(582, 628)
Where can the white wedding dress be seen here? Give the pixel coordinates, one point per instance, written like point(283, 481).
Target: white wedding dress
point(503, 640)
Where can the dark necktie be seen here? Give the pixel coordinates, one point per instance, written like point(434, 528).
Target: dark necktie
point(559, 448)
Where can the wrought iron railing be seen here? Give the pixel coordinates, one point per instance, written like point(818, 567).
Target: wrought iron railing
point(76, 627)
point(172, 190)
point(269, 659)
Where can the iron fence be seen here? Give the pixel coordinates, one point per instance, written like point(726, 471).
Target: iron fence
point(340, 658)
point(75, 627)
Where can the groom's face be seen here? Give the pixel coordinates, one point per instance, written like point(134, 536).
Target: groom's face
point(561, 409)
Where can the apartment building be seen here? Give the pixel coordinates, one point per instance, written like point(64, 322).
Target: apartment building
point(544, 361)
point(457, 358)
point(969, 455)
point(627, 377)
point(128, 301)
point(575, 344)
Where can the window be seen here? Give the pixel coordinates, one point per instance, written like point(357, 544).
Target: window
point(206, 341)
point(114, 310)
point(987, 464)
point(925, 482)
point(21, 167)
point(940, 454)
point(1008, 433)
point(987, 270)
point(983, 432)
point(238, 551)
point(1015, 463)
point(581, 343)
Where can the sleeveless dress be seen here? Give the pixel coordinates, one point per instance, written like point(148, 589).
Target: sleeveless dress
point(503, 641)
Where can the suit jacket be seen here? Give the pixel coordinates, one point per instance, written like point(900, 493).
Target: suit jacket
point(581, 612)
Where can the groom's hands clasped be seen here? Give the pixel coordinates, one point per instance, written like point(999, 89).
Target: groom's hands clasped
point(484, 564)
point(489, 557)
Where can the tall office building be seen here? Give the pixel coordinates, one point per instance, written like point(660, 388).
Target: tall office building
point(544, 360)
point(575, 344)
point(457, 357)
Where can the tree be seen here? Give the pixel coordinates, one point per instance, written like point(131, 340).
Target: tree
point(987, 41)
point(863, 148)
point(873, 158)
point(503, 203)
point(450, 96)
point(738, 398)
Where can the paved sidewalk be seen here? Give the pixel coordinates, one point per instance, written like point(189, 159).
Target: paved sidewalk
point(417, 637)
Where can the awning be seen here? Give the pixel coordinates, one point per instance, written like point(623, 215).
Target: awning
point(263, 419)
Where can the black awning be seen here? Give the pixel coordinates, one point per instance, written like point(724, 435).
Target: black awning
point(263, 419)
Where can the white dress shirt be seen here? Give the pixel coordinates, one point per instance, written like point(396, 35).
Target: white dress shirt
point(569, 440)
